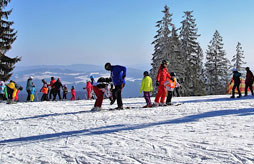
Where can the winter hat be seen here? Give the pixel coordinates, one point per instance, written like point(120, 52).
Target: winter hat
point(247, 68)
point(58, 79)
point(31, 77)
point(234, 69)
point(146, 73)
point(164, 62)
point(91, 77)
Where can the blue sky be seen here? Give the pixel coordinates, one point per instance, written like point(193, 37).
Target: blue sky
point(119, 31)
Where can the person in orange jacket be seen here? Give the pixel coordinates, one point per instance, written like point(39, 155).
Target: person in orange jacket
point(44, 91)
point(73, 93)
point(170, 85)
point(160, 80)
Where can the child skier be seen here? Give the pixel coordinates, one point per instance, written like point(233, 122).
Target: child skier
point(65, 91)
point(147, 87)
point(170, 85)
point(32, 93)
point(44, 91)
point(99, 90)
point(73, 93)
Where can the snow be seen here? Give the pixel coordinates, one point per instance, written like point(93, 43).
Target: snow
point(204, 129)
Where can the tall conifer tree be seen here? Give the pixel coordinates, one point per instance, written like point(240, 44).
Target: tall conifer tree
point(7, 37)
point(238, 58)
point(217, 66)
point(192, 54)
point(161, 42)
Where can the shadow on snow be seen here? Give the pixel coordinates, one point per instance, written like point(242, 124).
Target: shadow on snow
point(126, 127)
point(218, 99)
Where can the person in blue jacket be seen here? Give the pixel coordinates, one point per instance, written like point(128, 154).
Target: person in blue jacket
point(118, 74)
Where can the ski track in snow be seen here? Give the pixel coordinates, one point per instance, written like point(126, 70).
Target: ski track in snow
point(204, 129)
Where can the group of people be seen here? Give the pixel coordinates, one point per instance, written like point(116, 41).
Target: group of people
point(165, 81)
point(237, 81)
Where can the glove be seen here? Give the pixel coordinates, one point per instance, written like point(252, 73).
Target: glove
point(157, 83)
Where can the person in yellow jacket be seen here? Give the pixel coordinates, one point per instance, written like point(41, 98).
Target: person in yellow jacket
point(170, 85)
point(147, 87)
point(11, 90)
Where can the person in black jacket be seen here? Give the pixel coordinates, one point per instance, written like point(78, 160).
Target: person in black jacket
point(237, 82)
point(248, 81)
point(99, 90)
point(57, 88)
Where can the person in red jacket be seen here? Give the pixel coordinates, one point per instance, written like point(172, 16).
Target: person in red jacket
point(89, 88)
point(248, 81)
point(51, 87)
point(160, 80)
point(73, 93)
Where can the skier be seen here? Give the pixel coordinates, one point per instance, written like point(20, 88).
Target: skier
point(89, 88)
point(65, 91)
point(44, 91)
point(118, 79)
point(11, 92)
point(99, 89)
point(237, 81)
point(160, 80)
point(32, 93)
point(29, 86)
point(51, 92)
point(73, 93)
point(147, 87)
point(248, 81)
point(19, 88)
point(57, 89)
point(170, 85)
point(3, 91)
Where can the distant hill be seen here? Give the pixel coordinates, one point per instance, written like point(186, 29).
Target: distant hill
point(74, 75)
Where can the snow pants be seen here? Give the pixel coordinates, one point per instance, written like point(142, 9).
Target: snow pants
point(147, 98)
point(161, 95)
point(169, 97)
point(100, 96)
point(248, 85)
point(73, 97)
point(117, 95)
point(88, 93)
point(236, 85)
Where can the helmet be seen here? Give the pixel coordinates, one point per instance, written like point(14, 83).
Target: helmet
point(164, 62)
point(91, 77)
point(172, 74)
point(108, 66)
point(146, 73)
point(234, 69)
point(247, 68)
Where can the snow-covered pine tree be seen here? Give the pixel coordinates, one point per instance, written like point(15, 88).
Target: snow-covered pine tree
point(216, 66)
point(176, 59)
point(161, 43)
point(237, 60)
point(193, 55)
point(7, 37)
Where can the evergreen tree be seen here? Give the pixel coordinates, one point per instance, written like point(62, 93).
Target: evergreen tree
point(161, 42)
point(217, 66)
point(7, 37)
point(193, 56)
point(238, 58)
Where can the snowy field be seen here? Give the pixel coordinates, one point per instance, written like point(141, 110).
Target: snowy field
point(208, 129)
